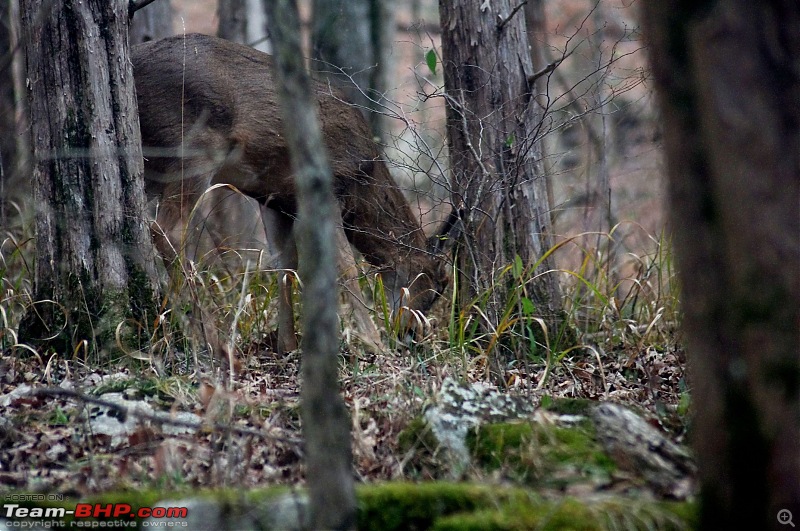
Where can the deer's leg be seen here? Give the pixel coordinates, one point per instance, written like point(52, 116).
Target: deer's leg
point(234, 223)
point(279, 229)
point(348, 272)
point(177, 227)
point(169, 235)
point(168, 227)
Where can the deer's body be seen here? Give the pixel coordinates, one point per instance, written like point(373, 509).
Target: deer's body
point(209, 113)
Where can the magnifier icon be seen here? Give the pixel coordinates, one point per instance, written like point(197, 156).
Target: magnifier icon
point(785, 517)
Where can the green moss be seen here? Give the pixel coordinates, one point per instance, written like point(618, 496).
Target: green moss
point(503, 445)
point(568, 406)
point(419, 446)
point(450, 506)
point(417, 506)
point(574, 514)
point(568, 514)
point(686, 512)
point(59, 417)
point(541, 455)
point(442, 506)
point(138, 498)
point(113, 386)
point(112, 313)
point(142, 295)
point(416, 434)
point(231, 501)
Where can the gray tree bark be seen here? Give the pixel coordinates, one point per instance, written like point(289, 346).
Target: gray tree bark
point(326, 424)
point(234, 218)
point(351, 41)
point(382, 22)
point(245, 22)
point(341, 44)
point(95, 260)
point(8, 147)
point(495, 152)
point(536, 28)
point(151, 23)
point(728, 83)
point(12, 145)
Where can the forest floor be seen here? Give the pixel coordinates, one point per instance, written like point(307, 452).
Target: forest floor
point(249, 427)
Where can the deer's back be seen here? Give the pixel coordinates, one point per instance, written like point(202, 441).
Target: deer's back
point(220, 99)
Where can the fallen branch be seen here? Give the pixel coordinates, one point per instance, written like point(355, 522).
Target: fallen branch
point(164, 419)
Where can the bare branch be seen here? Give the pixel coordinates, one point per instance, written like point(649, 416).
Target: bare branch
point(136, 5)
point(514, 11)
point(544, 71)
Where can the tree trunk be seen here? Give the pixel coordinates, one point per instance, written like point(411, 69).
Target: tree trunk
point(382, 21)
point(729, 88)
point(341, 44)
point(10, 149)
point(536, 28)
point(151, 23)
point(95, 263)
point(350, 40)
point(234, 218)
point(326, 424)
point(495, 153)
point(245, 22)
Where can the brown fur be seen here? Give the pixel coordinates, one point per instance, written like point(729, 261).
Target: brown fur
point(221, 100)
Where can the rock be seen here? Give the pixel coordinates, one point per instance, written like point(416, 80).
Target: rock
point(639, 448)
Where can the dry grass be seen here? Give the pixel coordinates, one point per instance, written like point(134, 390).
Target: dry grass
point(625, 350)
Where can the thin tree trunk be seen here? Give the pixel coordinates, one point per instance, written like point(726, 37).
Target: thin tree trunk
point(351, 41)
point(728, 83)
point(341, 44)
point(151, 23)
point(235, 219)
point(326, 424)
point(245, 22)
point(536, 28)
point(11, 150)
point(8, 147)
point(95, 261)
point(3, 222)
point(382, 36)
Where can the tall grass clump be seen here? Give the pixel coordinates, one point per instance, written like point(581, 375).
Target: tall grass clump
point(612, 303)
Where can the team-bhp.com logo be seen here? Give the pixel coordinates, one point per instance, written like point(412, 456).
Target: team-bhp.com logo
point(88, 514)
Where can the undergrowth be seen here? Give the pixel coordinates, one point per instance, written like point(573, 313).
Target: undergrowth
point(617, 342)
point(603, 310)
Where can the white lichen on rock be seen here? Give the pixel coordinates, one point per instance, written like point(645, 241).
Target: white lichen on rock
point(458, 407)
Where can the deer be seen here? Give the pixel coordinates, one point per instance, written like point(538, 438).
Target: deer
point(209, 115)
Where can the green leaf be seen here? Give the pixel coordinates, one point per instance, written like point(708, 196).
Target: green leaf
point(510, 140)
point(528, 307)
point(546, 402)
point(59, 417)
point(517, 267)
point(430, 58)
